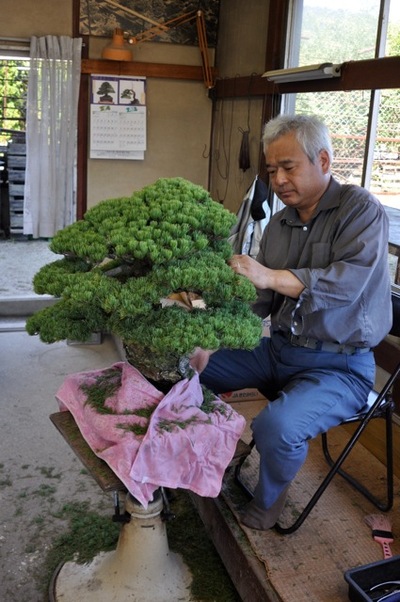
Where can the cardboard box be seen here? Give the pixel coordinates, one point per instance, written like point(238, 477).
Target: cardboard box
point(242, 395)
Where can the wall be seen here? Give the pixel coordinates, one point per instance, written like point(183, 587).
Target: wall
point(24, 18)
point(241, 52)
point(178, 128)
point(179, 112)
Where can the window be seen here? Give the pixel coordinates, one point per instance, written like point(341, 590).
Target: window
point(13, 89)
point(365, 125)
point(14, 69)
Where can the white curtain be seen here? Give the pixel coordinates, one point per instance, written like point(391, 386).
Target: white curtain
point(51, 135)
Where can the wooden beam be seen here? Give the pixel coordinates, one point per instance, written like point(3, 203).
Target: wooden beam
point(372, 74)
point(101, 66)
point(247, 572)
point(83, 144)
point(76, 18)
point(276, 34)
point(387, 355)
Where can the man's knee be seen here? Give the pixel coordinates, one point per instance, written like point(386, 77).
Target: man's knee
point(269, 427)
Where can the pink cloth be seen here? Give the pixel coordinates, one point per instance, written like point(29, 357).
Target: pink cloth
point(194, 457)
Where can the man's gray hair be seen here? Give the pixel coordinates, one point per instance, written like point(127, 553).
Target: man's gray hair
point(311, 133)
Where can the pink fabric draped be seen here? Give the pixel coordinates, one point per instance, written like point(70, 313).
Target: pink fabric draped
point(183, 446)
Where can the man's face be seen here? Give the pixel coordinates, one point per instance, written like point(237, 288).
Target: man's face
point(294, 179)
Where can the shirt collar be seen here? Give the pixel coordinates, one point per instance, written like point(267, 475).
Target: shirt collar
point(329, 200)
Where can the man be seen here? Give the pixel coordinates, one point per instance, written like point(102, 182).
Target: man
point(322, 276)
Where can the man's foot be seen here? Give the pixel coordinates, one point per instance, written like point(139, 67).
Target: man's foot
point(259, 518)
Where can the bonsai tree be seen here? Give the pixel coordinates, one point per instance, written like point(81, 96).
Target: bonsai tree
point(130, 94)
point(105, 91)
point(152, 269)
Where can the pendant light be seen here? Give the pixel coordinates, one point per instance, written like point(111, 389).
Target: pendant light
point(118, 49)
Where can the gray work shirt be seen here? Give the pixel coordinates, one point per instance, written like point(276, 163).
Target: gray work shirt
point(341, 257)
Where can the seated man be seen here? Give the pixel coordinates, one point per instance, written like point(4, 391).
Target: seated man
point(322, 275)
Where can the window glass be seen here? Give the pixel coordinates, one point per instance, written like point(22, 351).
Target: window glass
point(346, 115)
point(393, 39)
point(13, 91)
point(365, 125)
point(385, 177)
point(338, 31)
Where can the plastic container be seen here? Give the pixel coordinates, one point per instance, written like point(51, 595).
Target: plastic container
point(362, 578)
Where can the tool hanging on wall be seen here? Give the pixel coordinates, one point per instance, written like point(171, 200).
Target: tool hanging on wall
point(244, 153)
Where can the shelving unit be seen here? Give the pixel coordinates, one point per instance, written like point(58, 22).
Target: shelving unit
point(16, 164)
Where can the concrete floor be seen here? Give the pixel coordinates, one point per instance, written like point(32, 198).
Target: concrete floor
point(20, 259)
point(38, 471)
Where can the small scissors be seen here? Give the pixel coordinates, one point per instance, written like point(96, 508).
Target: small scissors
point(388, 591)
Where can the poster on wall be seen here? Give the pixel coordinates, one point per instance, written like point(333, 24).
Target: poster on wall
point(117, 117)
point(101, 17)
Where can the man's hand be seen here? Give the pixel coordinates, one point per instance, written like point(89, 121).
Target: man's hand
point(249, 267)
point(281, 281)
point(198, 360)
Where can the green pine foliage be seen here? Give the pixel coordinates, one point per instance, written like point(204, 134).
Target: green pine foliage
point(128, 254)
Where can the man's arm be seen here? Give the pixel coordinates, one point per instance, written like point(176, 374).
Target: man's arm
point(280, 281)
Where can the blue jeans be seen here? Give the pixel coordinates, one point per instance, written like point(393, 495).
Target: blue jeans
point(310, 392)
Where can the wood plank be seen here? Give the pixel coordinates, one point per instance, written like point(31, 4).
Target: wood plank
point(246, 571)
point(373, 439)
point(387, 355)
point(373, 74)
point(163, 70)
point(83, 146)
point(99, 470)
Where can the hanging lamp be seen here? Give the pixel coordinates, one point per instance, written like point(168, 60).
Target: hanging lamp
point(118, 49)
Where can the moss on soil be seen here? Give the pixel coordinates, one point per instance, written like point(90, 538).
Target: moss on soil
point(88, 534)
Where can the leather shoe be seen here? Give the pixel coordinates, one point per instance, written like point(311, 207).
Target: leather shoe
point(260, 518)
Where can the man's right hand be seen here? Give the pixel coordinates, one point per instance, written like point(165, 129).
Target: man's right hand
point(198, 360)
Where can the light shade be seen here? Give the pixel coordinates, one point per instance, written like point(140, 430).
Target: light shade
point(297, 74)
point(118, 50)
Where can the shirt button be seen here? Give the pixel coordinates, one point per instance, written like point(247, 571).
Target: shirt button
point(305, 228)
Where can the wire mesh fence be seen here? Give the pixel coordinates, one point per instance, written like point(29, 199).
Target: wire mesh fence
point(354, 129)
point(347, 115)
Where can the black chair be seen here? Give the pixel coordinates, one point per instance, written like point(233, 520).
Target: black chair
point(380, 405)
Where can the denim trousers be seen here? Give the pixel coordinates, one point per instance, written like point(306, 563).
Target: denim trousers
point(309, 392)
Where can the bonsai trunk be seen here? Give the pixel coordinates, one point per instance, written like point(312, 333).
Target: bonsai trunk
point(162, 370)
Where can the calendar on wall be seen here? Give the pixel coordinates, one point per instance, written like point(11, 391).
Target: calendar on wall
point(117, 117)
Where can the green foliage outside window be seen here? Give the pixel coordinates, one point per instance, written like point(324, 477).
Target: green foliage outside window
point(13, 91)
